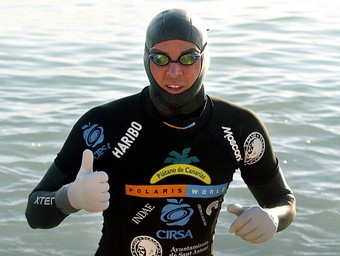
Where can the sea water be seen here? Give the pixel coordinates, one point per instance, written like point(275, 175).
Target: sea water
point(280, 58)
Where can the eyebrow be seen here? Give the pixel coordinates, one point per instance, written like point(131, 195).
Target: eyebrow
point(192, 49)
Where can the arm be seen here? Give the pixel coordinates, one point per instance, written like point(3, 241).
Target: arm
point(55, 198)
point(263, 176)
point(258, 224)
point(42, 210)
point(277, 198)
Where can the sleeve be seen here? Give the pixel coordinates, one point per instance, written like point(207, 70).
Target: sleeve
point(42, 210)
point(69, 158)
point(262, 173)
point(259, 163)
point(276, 194)
point(48, 203)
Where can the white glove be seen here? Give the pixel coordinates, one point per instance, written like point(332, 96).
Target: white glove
point(254, 224)
point(90, 189)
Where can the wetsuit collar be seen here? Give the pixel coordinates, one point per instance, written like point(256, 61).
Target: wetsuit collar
point(181, 123)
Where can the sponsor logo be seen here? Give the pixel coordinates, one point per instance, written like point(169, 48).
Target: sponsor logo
point(44, 200)
point(145, 245)
point(181, 169)
point(181, 190)
point(155, 191)
point(254, 148)
point(213, 205)
point(189, 250)
point(183, 158)
point(127, 140)
point(199, 206)
point(175, 213)
point(230, 137)
point(101, 151)
point(206, 191)
point(181, 165)
point(141, 215)
point(93, 134)
point(174, 234)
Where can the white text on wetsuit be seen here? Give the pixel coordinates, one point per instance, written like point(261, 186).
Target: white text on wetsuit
point(127, 140)
point(143, 213)
point(230, 137)
point(44, 200)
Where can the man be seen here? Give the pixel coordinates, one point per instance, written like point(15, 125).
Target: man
point(159, 163)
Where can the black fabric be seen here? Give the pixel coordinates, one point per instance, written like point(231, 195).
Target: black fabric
point(41, 210)
point(175, 24)
point(167, 183)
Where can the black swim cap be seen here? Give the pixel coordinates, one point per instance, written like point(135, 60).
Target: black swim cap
point(177, 24)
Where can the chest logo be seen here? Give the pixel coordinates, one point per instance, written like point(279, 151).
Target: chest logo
point(180, 164)
point(127, 140)
point(145, 245)
point(175, 213)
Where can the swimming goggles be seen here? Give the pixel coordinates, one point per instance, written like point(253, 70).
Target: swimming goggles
point(186, 59)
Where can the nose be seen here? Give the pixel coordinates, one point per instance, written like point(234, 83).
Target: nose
point(174, 69)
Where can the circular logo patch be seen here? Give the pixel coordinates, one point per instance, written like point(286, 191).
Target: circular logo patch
point(254, 147)
point(145, 245)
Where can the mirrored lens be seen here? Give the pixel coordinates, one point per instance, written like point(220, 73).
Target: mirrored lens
point(159, 59)
point(189, 59)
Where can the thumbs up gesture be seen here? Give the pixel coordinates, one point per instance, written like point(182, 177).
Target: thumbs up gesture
point(254, 224)
point(90, 189)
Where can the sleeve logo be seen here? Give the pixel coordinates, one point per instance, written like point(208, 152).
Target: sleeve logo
point(254, 148)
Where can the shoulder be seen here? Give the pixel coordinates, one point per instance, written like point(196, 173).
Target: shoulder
point(240, 122)
point(228, 110)
point(116, 108)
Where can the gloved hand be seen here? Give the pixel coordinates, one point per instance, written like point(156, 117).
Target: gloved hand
point(254, 224)
point(90, 189)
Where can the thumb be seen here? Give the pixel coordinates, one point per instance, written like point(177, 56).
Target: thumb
point(236, 209)
point(87, 162)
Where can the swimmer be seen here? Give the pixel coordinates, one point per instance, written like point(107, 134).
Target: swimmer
point(170, 124)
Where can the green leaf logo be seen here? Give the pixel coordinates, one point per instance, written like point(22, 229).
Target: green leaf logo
point(177, 158)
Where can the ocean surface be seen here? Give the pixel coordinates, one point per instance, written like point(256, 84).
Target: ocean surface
point(280, 58)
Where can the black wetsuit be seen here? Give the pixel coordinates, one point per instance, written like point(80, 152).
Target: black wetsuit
point(167, 179)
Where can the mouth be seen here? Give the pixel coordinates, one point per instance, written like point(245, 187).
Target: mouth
point(174, 89)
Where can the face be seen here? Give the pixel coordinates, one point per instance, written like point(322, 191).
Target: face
point(175, 77)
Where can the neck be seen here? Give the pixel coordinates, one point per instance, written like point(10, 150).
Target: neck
point(167, 105)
